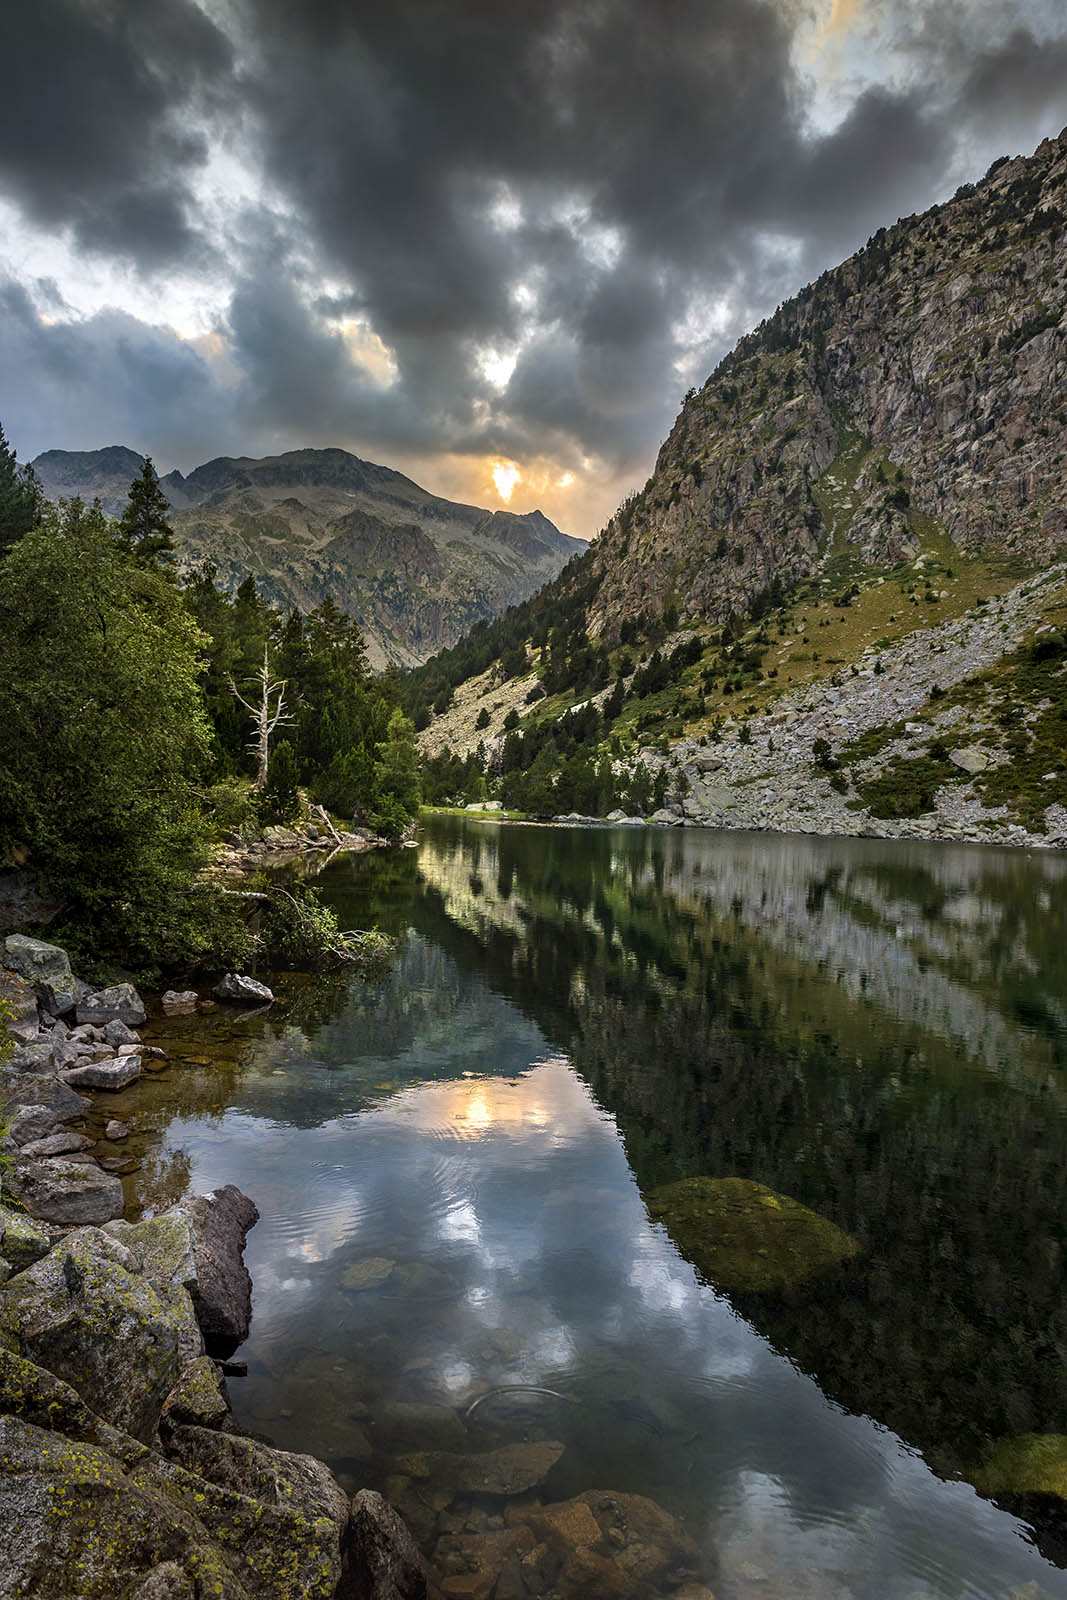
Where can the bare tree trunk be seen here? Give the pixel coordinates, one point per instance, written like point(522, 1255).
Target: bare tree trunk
point(265, 719)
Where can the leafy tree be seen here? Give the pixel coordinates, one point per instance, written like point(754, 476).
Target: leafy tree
point(21, 497)
point(144, 526)
point(105, 737)
point(398, 774)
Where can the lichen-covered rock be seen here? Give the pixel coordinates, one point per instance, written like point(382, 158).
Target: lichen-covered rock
point(121, 1003)
point(63, 1143)
point(744, 1237)
point(199, 1397)
point(382, 1557)
point(168, 1581)
point(35, 1395)
point(67, 1190)
point(74, 1525)
point(22, 1242)
point(47, 967)
point(19, 996)
point(163, 1249)
point(84, 1315)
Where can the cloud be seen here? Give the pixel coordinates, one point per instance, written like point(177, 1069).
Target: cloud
point(430, 232)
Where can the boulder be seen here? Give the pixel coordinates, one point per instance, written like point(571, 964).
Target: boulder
point(114, 1529)
point(276, 838)
point(199, 1396)
point(55, 1144)
point(168, 1581)
point(164, 1251)
point(969, 759)
point(20, 998)
point(66, 1190)
point(117, 1034)
point(114, 1073)
point(179, 1002)
point(43, 1097)
point(222, 1296)
point(382, 1558)
point(244, 990)
point(121, 1003)
point(38, 1056)
point(82, 1313)
point(47, 967)
point(22, 1242)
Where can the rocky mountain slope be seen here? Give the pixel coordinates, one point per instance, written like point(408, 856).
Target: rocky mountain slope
point(838, 605)
point(414, 570)
point(925, 378)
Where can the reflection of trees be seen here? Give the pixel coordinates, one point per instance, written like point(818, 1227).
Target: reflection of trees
point(721, 1051)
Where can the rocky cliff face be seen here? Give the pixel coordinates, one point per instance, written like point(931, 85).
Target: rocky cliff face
point(414, 570)
point(919, 387)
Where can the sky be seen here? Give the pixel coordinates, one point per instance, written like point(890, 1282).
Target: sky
point(489, 242)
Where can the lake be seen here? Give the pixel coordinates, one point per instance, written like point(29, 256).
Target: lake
point(814, 1356)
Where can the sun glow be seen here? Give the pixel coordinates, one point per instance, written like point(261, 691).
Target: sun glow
point(506, 476)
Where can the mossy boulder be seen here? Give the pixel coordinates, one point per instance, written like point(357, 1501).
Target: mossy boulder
point(1028, 1463)
point(744, 1238)
point(101, 1327)
point(22, 1240)
point(200, 1395)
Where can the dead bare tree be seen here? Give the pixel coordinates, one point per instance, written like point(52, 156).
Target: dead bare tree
point(265, 717)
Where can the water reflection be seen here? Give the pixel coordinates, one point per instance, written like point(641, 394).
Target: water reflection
point(451, 1168)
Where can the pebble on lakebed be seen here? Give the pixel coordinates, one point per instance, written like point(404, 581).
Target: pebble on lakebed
point(744, 1237)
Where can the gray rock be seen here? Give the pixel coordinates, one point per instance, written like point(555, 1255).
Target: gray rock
point(164, 1251)
point(85, 1316)
point(179, 1002)
point(383, 1559)
point(42, 1094)
point(168, 1581)
point(55, 1144)
point(248, 991)
point(22, 1242)
point(969, 759)
point(20, 998)
point(115, 1130)
point(47, 967)
point(63, 1189)
point(32, 1057)
point(114, 1072)
point(121, 1003)
point(222, 1296)
point(199, 1397)
point(116, 1033)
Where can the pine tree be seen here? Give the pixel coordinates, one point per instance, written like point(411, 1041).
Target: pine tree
point(144, 527)
point(21, 497)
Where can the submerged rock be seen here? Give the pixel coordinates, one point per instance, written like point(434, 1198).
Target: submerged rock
point(744, 1237)
point(1028, 1463)
point(179, 1002)
point(113, 1073)
point(514, 1469)
point(368, 1273)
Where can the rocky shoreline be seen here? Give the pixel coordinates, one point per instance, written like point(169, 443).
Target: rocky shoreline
point(122, 1468)
point(279, 847)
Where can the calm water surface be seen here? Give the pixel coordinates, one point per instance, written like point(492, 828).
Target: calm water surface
point(452, 1169)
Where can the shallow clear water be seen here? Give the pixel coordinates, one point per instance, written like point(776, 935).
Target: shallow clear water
point(452, 1169)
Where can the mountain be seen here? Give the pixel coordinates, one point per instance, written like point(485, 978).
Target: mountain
point(416, 571)
point(838, 604)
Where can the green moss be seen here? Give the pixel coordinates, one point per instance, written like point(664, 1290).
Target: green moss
point(743, 1236)
point(1030, 1463)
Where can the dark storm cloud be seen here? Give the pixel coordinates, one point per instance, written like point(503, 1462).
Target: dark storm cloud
point(586, 179)
point(94, 135)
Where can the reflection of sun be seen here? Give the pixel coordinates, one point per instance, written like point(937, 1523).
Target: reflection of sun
point(478, 1114)
point(506, 475)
